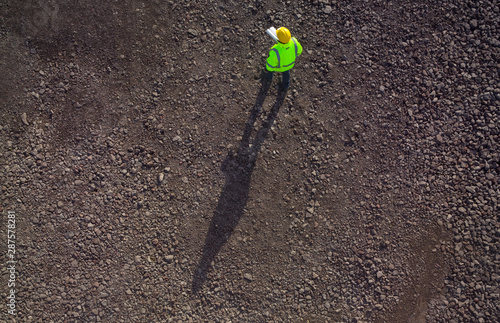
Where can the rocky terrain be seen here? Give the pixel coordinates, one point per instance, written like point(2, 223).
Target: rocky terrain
point(155, 178)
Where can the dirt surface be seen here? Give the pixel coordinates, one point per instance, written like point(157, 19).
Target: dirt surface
point(155, 177)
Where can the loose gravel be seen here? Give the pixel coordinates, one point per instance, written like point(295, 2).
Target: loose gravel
point(155, 179)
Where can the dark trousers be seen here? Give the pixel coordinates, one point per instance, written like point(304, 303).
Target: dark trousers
point(285, 78)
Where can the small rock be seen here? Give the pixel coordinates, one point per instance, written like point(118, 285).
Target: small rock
point(470, 189)
point(473, 23)
point(161, 176)
point(24, 118)
point(328, 9)
point(248, 277)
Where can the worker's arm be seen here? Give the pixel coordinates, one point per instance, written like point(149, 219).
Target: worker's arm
point(272, 61)
point(299, 47)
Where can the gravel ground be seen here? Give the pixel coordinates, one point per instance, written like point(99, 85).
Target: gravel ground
point(155, 178)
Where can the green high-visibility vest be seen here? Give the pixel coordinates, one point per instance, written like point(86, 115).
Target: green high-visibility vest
point(282, 56)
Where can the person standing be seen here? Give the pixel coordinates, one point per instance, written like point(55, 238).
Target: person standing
point(282, 57)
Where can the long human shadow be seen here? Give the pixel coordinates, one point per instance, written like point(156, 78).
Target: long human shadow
point(238, 170)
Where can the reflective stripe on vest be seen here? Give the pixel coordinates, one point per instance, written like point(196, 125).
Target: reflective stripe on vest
point(278, 56)
point(270, 65)
point(296, 48)
point(296, 52)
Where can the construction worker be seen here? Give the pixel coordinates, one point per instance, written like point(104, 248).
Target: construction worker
point(282, 57)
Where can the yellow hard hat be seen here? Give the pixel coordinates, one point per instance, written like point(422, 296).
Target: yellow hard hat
point(284, 35)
